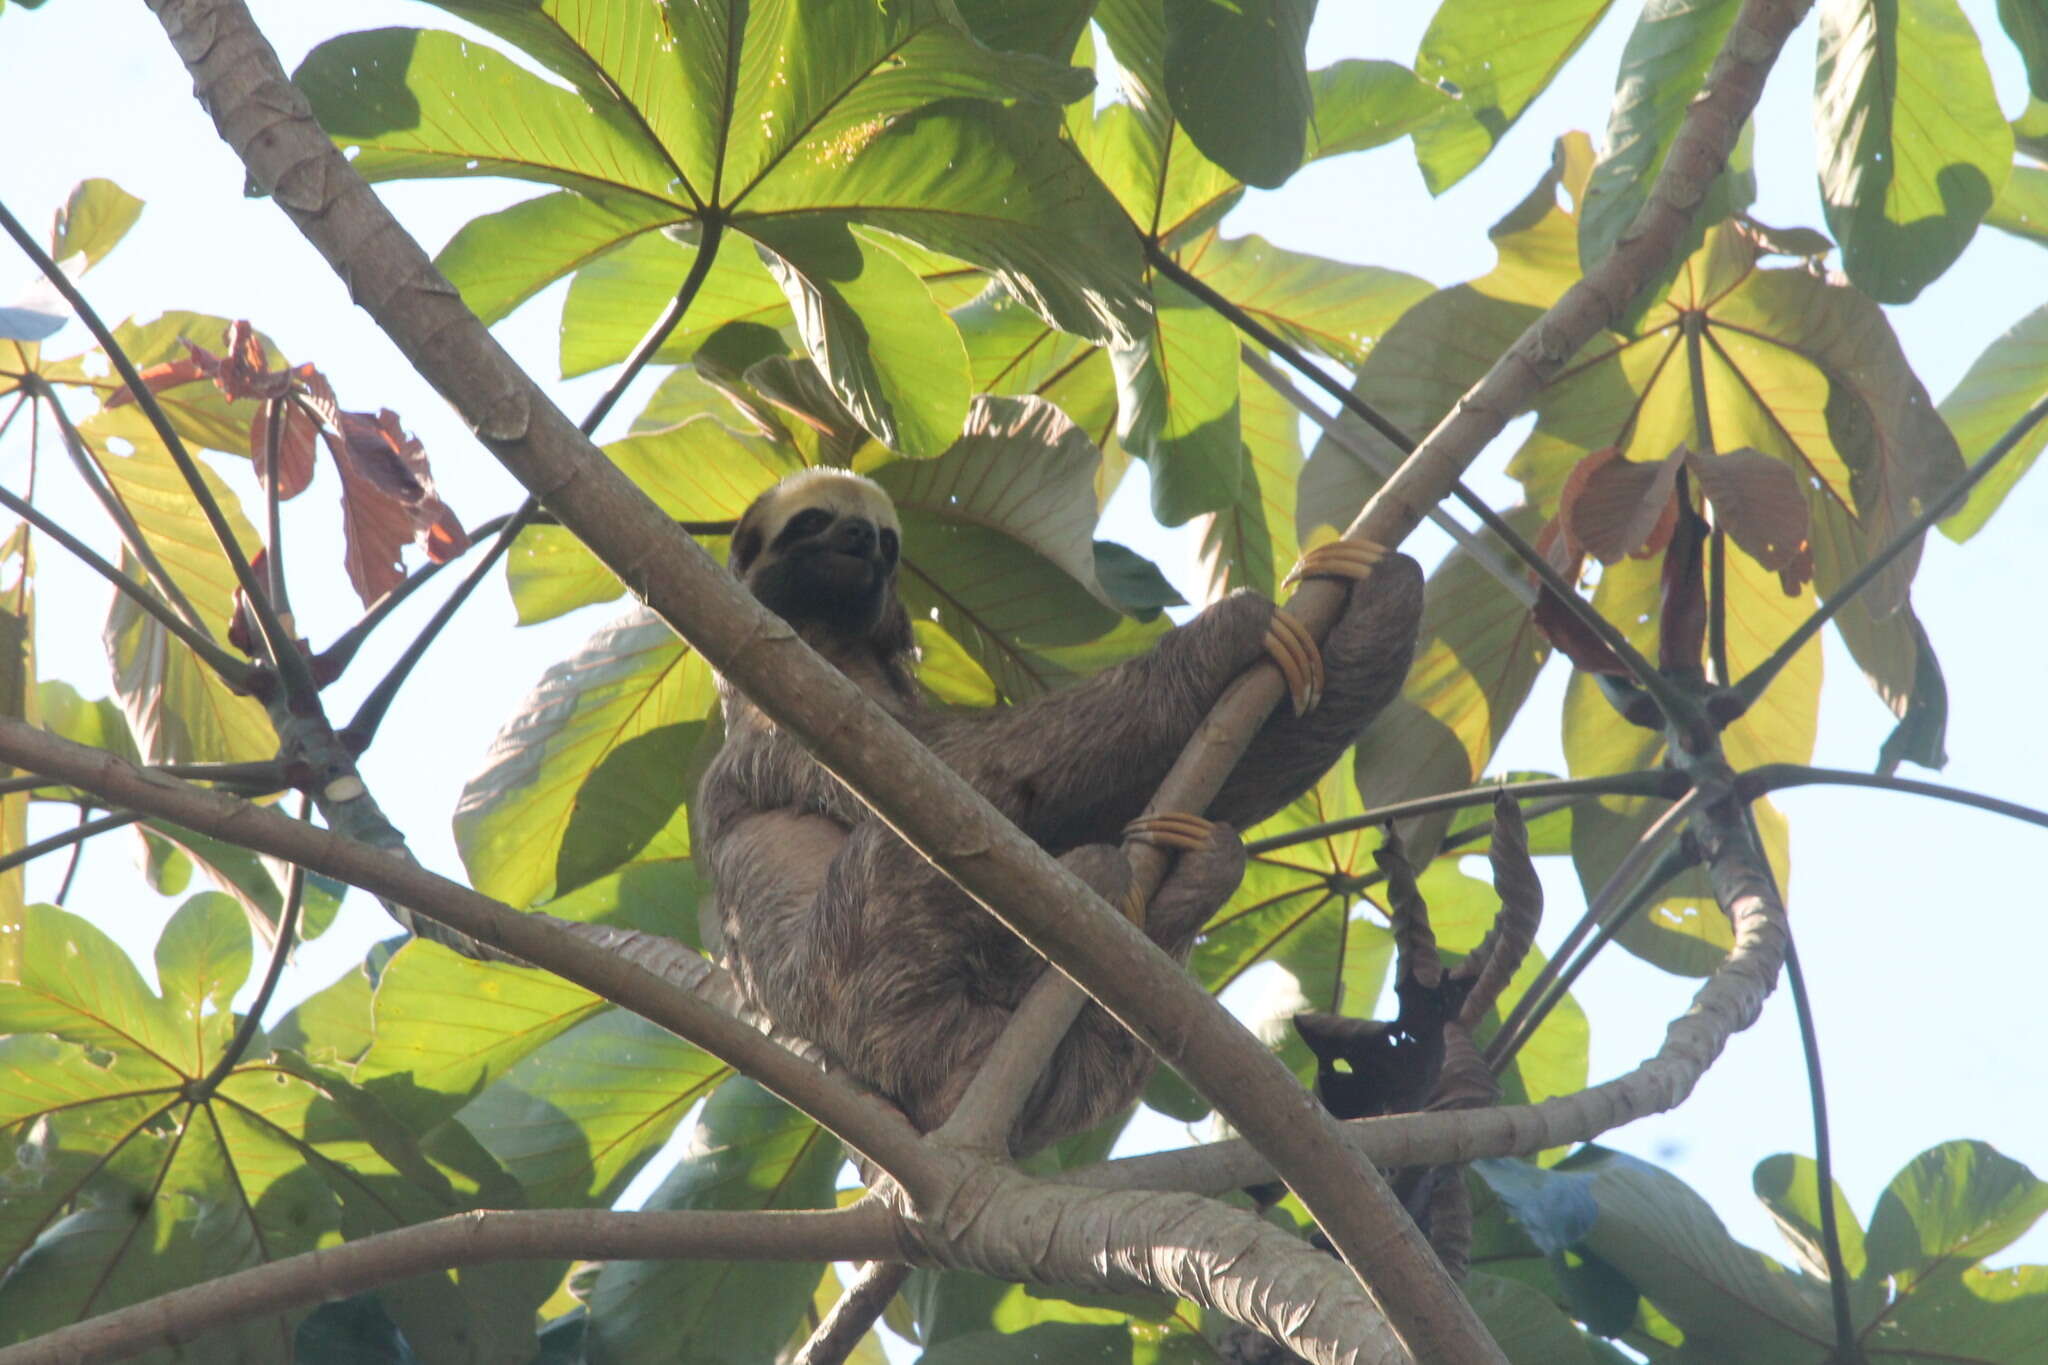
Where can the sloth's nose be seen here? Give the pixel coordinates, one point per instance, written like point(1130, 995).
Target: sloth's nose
point(854, 536)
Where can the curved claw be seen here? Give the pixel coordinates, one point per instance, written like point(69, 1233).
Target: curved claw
point(1300, 661)
point(1133, 904)
point(1352, 559)
point(1175, 829)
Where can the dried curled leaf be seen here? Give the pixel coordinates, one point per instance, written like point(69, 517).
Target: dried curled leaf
point(387, 498)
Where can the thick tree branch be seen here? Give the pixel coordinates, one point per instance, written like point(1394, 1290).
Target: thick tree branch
point(481, 1238)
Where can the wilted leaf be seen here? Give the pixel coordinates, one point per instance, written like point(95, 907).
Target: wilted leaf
point(387, 500)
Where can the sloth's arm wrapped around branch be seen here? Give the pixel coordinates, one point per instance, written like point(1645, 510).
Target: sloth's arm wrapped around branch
point(1076, 767)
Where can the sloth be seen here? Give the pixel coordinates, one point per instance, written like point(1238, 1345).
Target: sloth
point(841, 933)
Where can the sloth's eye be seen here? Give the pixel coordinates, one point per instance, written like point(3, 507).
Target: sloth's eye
point(808, 522)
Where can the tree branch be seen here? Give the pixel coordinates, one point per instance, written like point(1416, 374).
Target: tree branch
point(234, 672)
point(863, 1121)
point(1771, 777)
point(466, 1239)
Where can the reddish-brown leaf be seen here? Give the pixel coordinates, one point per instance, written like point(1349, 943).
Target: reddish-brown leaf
point(1758, 501)
point(199, 363)
point(294, 450)
point(1613, 507)
point(387, 498)
point(1554, 620)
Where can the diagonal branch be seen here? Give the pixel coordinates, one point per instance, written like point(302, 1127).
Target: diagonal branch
point(481, 1238)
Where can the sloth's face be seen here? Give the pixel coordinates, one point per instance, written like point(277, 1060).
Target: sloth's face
point(820, 548)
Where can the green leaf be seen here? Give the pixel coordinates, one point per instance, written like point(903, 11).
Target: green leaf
point(1327, 307)
point(1951, 1207)
point(998, 542)
point(1296, 907)
point(203, 957)
point(445, 1026)
point(625, 804)
point(1731, 1302)
point(576, 1119)
point(94, 219)
point(1913, 146)
point(179, 711)
point(1789, 1186)
point(77, 984)
point(2021, 207)
point(1665, 64)
point(1070, 1343)
point(947, 671)
point(2002, 1314)
point(253, 880)
point(1365, 104)
point(1528, 1328)
point(616, 297)
point(407, 102)
point(752, 1152)
point(1251, 543)
point(1132, 581)
point(1497, 59)
point(1477, 658)
point(2010, 377)
point(1226, 56)
point(502, 259)
point(1177, 390)
point(893, 358)
point(1012, 351)
point(631, 678)
point(2026, 23)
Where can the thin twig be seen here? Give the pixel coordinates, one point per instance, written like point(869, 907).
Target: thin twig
point(362, 728)
point(337, 656)
point(1483, 554)
point(85, 461)
point(1823, 1160)
point(1649, 782)
point(280, 949)
point(85, 829)
point(1753, 683)
point(273, 520)
point(71, 867)
point(231, 670)
point(1771, 777)
point(292, 668)
point(1669, 699)
point(859, 1307)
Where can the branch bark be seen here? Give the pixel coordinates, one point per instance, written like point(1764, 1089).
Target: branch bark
point(173, 1319)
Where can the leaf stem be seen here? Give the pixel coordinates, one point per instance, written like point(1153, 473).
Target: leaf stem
point(1823, 1159)
point(273, 524)
point(1771, 777)
point(71, 867)
point(1677, 708)
point(292, 667)
point(362, 728)
point(1649, 782)
point(85, 829)
point(287, 934)
point(1752, 685)
point(231, 670)
point(1717, 543)
point(94, 477)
